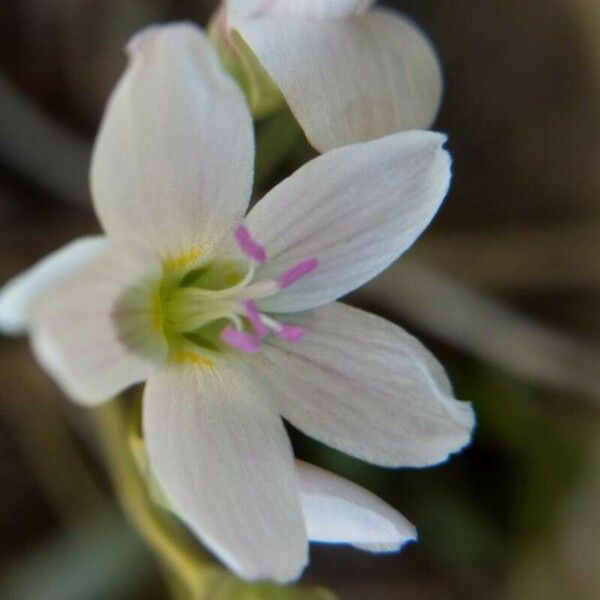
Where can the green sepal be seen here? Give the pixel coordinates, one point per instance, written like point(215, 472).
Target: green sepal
point(263, 96)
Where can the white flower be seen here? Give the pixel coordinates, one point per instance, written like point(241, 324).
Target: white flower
point(228, 318)
point(350, 73)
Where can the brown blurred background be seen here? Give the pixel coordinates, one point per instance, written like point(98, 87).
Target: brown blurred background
point(504, 287)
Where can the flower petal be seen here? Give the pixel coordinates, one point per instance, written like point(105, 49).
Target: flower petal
point(340, 512)
point(355, 209)
point(20, 295)
point(241, 9)
point(174, 158)
point(350, 80)
point(368, 388)
point(75, 333)
point(319, 10)
point(222, 456)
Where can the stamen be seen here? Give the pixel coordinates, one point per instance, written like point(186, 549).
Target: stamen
point(254, 317)
point(287, 333)
point(304, 267)
point(241, 340)
point(290, 333)
point(258, 290)
point(248, 245)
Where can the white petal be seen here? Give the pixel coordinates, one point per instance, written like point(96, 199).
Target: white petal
point(355, 209)
point(75, 334)
point(20, 295)
point(338, 511)
point(367, 388)
point(173, 162)
point(351, 80)
point(241, 9)
point(319, 10)
point(222, 456)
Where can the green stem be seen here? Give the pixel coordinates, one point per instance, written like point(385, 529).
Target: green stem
point(179, 554)
point(190, 573)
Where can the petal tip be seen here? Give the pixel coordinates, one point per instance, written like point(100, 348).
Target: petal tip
point(149, 35)
point(465, 421)
point(11, 323)
point(406, 533)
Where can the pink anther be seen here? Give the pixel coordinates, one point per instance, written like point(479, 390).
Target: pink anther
point(290, 333)
point(248, 245)
point(241, 340)
point(254, 317)
point(304, 267)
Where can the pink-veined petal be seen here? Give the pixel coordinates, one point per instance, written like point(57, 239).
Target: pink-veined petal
point(20, 295)
point(338, 511)
point(173, 162)
point(354, 209)
point(349, 80)
point(221, 454)
point(315, 10)
point(78, 335)
point(368, 388)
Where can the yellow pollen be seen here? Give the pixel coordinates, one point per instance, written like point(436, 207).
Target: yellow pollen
point(183, 260)
point(187, 357)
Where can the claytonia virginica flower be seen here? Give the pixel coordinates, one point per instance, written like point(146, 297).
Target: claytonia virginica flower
point(229, 318)
point(349, 72)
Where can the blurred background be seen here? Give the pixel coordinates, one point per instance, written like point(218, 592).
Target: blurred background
point(504, 288)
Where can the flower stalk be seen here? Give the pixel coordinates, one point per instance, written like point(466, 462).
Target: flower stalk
point(177, 551)
point(190, 571)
